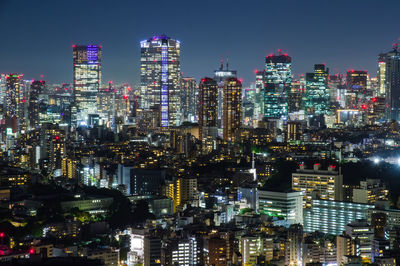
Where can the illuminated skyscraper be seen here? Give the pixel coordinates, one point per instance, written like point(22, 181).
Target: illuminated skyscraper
point(232, 115)
point(277, 79)
point(37, 87)
point(13, 100)
point(160, 78)
point(382, 74)
point(208, 105)
point(392, 82)
point(220, 76)
point(317, 92)
point(189, 99)
point(357, 95)
point(87, 80)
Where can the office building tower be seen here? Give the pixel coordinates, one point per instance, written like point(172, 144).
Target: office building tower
point(189, 99)
point(337, 89)
point(317, 100)
point(232, 115)
point(277, 84)
point(382, 75)
point(357, 94)
point(392, 82)
point(208, 107)
point(331, 217)
point(87, 81)
point(37, 87)
point(160, 78)
point(52, 148)
point(13, 93)
point(285, 205)
point(325, 184)
point(220, 76)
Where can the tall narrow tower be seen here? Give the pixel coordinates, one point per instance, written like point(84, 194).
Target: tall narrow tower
point(232, 108)
point(208, 106)
point(160, 75)
point(87, 80)
point(277, 85)
point(391, 82)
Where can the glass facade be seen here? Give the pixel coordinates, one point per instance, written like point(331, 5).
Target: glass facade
point(232, 115)
point(277, 85)
point(317, 92)
point(160, 78)
point(87, 80)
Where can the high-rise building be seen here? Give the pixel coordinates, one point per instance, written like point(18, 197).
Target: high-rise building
point(357, 95)
point(337, 89)
point(317, 92)
point(220, 76)
point(189, 99)
point(13, 101)
point(37, 87)
point(277, 85)
point(208, 107)
point(87, 81)
point(160, 78)
point(382, 75)
point(232, 115)
point(325, 184)
point(391, 81)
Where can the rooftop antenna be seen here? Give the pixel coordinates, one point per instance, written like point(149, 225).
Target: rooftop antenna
point(280, 51)
point(227, 63)
point(221, 67)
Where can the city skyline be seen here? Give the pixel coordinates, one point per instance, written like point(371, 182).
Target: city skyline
point(339, 45)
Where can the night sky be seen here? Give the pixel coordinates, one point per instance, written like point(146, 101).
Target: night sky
point(37, 36)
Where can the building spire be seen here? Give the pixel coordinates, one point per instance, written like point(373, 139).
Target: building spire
point(227, 63)
point(221, 67)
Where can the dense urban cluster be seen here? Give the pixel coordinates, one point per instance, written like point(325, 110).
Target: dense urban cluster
point(285, 170)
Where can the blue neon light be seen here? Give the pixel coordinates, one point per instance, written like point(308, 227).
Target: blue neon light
point(164, 87)
point(92, 54)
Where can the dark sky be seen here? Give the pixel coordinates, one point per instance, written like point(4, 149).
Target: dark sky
point(36, 36)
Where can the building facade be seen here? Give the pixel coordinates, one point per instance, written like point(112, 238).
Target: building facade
point(160, 78)
point(87, 81)
point(232, 115)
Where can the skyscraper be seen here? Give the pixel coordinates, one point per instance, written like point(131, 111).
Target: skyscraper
point(356, 89)
point(189, 99)
point(277, 84)
point(208, 104)
point(220, 76)
point(232, 107)
point(317, 92)
point(160, 78)
point(13, 100)
point(87, 80)
point(37, 87)
point(392, 82)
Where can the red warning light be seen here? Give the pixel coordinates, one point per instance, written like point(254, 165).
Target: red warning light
point(364, 107)
point(2, 234)
point(125, 97)
point(57, 137)
point(374, 99)
point(31, 251)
